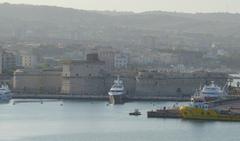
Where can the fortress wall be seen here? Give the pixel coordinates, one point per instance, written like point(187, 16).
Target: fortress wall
point(84, 86)
point(90, 78)
point(37, 81)
point(184, 86)
point(66, 84)
point(95, 85)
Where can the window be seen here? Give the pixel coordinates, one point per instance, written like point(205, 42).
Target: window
point(116, 91)
point(179, 90)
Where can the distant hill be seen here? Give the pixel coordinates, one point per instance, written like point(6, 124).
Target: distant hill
point(40, 22)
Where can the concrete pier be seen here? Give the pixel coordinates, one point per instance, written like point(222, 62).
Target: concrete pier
point(230, 105)
point(164, 113)
point(59, 96)
point(97, 97)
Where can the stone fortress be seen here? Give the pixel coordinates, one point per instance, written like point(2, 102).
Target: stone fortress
point(172, 84)
point(84, 77)
point(91, 77)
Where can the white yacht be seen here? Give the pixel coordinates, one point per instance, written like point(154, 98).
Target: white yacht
point(5, 93)
point(117, 92)
point(209, 92)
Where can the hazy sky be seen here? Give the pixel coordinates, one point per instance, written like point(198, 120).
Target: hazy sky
point(142, 5)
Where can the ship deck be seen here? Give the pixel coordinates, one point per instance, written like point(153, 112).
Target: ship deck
point(233, 105)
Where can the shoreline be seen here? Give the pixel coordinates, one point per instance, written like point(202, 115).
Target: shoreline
point(100, 98)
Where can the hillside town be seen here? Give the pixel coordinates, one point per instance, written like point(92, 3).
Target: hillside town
point(92, 71)
point(85, 55)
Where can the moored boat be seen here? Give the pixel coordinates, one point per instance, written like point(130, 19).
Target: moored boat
point(209, 92)
point(135, 113)
point(117, 92)
point(5, 93)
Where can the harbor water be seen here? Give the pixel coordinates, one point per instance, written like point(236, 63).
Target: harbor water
point(56, 120)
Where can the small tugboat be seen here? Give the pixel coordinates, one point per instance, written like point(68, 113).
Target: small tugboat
point(209, 92)
point(117, 92)
point(5, 93)
point(135, 113)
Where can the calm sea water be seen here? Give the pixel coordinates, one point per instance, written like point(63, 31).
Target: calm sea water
point(95, 121)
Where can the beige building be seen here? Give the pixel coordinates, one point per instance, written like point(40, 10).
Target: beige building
point(7, 61)
point(84, 77)
point(37, 81)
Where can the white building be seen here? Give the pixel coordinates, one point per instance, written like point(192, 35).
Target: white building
point(29, 61)
point(121, 61)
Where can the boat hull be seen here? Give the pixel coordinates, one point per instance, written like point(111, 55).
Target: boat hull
point(135, 114)
point(116, 99)
point(5, 99)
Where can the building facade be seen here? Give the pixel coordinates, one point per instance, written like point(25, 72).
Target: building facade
point(108, 58)
point(121, 61)
point(7, 61)
point(29, 61)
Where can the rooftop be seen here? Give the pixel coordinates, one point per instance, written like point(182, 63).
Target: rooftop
point(67, 62)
